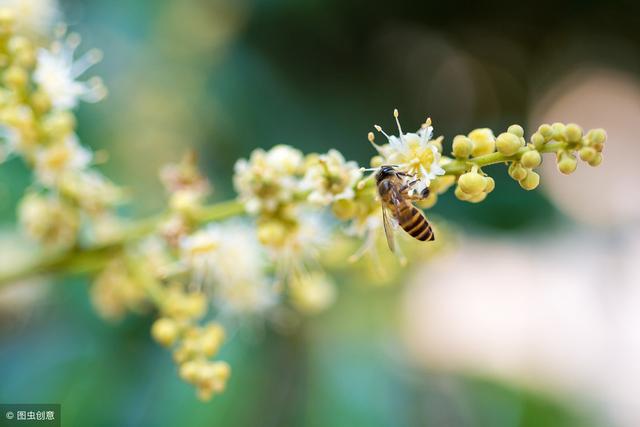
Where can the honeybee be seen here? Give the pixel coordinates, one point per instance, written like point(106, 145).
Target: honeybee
point(395, 191)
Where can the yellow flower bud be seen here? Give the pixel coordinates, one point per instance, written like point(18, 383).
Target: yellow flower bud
point(531, 181)
point(165, 331)
point(508, 143)
point(483, 142)
point(190, 370)
point(573, 132)
point(437, 143)
point(344, 209)
point(15, 77)
point(559, 133)
point(376, 161)
point(211, 339)
point(531, 159)
point(272, 233)
point(477, 198)
point(40, 101)
point(490, 184)
point(516, 130)
point(598, 136)
point(537, 140)
point(516, 171)
point(587, 153)
point(471, 183)
point(567, 163)
point(596, 160)
point(59, 124)
point(546, 131)
point(461, 195)
point(462, 147)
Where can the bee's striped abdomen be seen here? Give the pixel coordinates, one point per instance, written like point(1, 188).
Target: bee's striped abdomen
point(412, 220)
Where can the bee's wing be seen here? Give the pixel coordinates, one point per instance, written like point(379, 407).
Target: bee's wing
point(388, 230)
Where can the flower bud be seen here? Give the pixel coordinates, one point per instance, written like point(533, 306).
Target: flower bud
point(461, 195)
point(537, 140)
point(471, 183)
point(516, 171)
point(462, 147)
point(59, 124)
point(531, 159)
point(490, 184)
point(587, 154)
point(165, 331)
point(516, 130)
point(573, 132)
point(272, 233)
point(15, 77)
point(559, 133)
point(483, 142)
point(531, 181)
point(376, 161)
point(508, 143)
point(344, 209)
point(596, 160)
point(598, 136)
point(477, 198)
point(546, 131)
point(567, 163)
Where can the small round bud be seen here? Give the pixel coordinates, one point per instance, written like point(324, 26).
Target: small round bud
point(531, 181)
point(596, 160)
point(598, 136)
point(461, 195)
point(344, 209)
point(376, 161)
point(567, 163)
point(15, 77)
point(537, 140)
point(516, 130)
point(573, 132)
point(490, 184)
point(546, 131)
point(558, 131)
point(531, 159)
point(477, 198)
point(272, 233)
point(165, 331)
point(508, 143)
point(189, 371)
point(462, 147)
point(587, 154)
point(517, 172)
point(483, 142)
point(471, 183)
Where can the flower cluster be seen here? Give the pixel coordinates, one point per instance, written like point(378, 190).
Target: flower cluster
point(40, 89)
point(194, 267)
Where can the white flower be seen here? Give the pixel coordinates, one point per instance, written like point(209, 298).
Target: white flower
point(33, 16)
point(413, 153)
point(331, 178)
point(54, 161)
point(56, 73)
point(227, 260)
point(269, 178)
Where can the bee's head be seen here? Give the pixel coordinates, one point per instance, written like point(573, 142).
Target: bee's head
point(384, 172)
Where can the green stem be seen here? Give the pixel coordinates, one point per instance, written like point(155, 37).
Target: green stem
point(92, 258)
point(459, 166)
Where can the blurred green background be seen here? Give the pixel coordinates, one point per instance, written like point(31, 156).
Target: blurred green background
point(226, 77)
